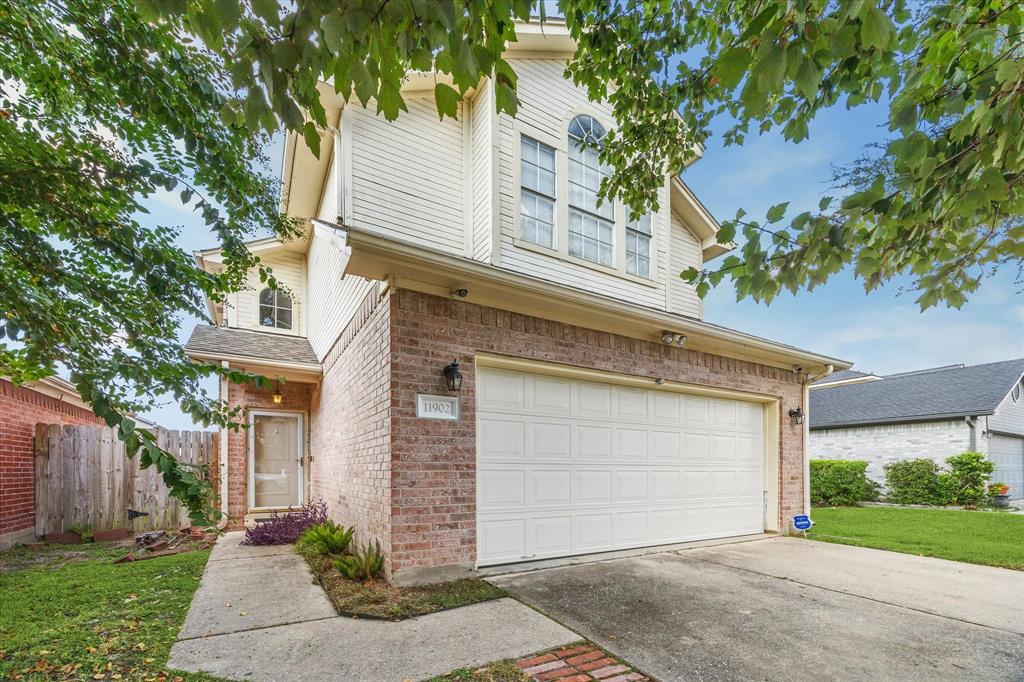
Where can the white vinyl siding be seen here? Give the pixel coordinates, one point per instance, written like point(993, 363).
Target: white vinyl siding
point(289, 269)
point(329, 207)
point(407, 175)
point(483, 141)
point(684, 252)
point(567, 467)
point(332, 299)
point(547, 101)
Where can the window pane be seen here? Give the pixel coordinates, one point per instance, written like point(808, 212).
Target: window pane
point(284, 318)
point(267, 315)
point(283, 301)
point(538, 217)
point(267, 297)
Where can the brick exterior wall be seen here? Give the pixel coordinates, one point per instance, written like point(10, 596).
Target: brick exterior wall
point(296, 398)
point(21, 408)
point(350, 437)
point(878, 445)
point(433, 468)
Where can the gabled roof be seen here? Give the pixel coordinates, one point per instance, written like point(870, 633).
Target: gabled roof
point(214, 343)
point(940, 393)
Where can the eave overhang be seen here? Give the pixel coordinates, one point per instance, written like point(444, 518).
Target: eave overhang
point(698, 219)
point(415, 267)
point(289, 371)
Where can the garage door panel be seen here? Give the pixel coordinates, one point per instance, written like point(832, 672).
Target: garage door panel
point(631, 443)
point(550, 441)
point(499, 439)
point(552, 535)
point(593, 442)
point(593, 486)
point(667, 446)
point(593, 531)
point(498, 390)
point(501, 489)
point(631, 404)
point(595, 400)
point(630, 528)
point(568, 467)
point(502, 540)
point(631, 485)
point(550, 487)
point(550, 395)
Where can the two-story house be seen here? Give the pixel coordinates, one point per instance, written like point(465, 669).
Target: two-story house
point(591, 408)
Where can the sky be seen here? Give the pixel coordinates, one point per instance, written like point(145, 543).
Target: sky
point(881, 332)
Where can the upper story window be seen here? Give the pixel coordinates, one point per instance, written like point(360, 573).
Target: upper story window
point(591, 227)
point(275, 309)
point(638, 245)
point(538, 192)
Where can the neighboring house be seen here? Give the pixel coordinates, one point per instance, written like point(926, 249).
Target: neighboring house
point(48, 401)
point(933, 413)
point(597, 410)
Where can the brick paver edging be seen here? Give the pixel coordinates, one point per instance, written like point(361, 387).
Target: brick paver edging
point(582, 662)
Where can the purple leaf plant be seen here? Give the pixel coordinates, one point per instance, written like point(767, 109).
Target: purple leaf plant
point(284, 529)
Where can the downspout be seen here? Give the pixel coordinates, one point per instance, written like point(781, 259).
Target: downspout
point(223, 452)
point(808, 380)
point(972, 424)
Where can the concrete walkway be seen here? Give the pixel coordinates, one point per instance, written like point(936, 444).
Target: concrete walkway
point(259, 615)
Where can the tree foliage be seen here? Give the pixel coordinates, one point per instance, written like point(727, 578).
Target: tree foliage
point(99, 111)
point(951, 70)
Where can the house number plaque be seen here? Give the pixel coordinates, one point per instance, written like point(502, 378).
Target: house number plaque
point(437, 406)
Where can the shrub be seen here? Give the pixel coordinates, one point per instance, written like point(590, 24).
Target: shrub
point(914, 481)
point(325, 538)
point(837, 482)
point(967, 480)
point(365, 563)
point(284, 529)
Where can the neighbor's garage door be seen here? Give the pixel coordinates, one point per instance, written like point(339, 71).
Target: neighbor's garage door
point(569, 467)
point(1007, 453)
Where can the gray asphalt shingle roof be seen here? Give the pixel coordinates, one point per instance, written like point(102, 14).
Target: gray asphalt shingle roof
point(207, 340)
point(916, 396)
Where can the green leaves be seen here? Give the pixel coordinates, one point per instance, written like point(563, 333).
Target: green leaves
point(447, 99)
point(776, 212)
point(731, 66)
point(876, 29)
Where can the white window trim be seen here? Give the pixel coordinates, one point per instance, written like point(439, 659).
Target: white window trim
point(292, 331)
point(561, 232)
point(251, 477)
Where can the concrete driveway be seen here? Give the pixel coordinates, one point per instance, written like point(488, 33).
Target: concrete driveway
point(793, 609)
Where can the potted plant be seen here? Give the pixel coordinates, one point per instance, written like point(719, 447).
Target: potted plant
point(1000, 494)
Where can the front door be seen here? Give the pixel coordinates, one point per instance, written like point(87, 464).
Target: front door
point(275, 459)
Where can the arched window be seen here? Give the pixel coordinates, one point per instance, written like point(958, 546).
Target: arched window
point(275, 309)
point(591, 227)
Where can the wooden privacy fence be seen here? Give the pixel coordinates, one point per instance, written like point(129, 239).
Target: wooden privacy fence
point(84, 480)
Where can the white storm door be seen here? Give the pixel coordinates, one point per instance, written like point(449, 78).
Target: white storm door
point(276, 458)
point(567, 466)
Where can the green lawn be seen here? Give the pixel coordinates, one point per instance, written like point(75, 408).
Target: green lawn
point(977, 537)
point(70, 614)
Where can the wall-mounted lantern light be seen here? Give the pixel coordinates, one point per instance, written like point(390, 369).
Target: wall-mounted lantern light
point(452, 376)
point(796, 416)
point(278, 396)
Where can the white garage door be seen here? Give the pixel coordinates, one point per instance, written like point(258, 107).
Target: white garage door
point(1007, 453)
point(569, 467)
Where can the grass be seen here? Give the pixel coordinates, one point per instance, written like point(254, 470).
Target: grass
point(500, 671)
point(70, 614)
point(379, 599)
point(976, 537)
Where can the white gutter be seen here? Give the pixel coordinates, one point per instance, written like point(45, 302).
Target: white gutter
point(808, 380)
